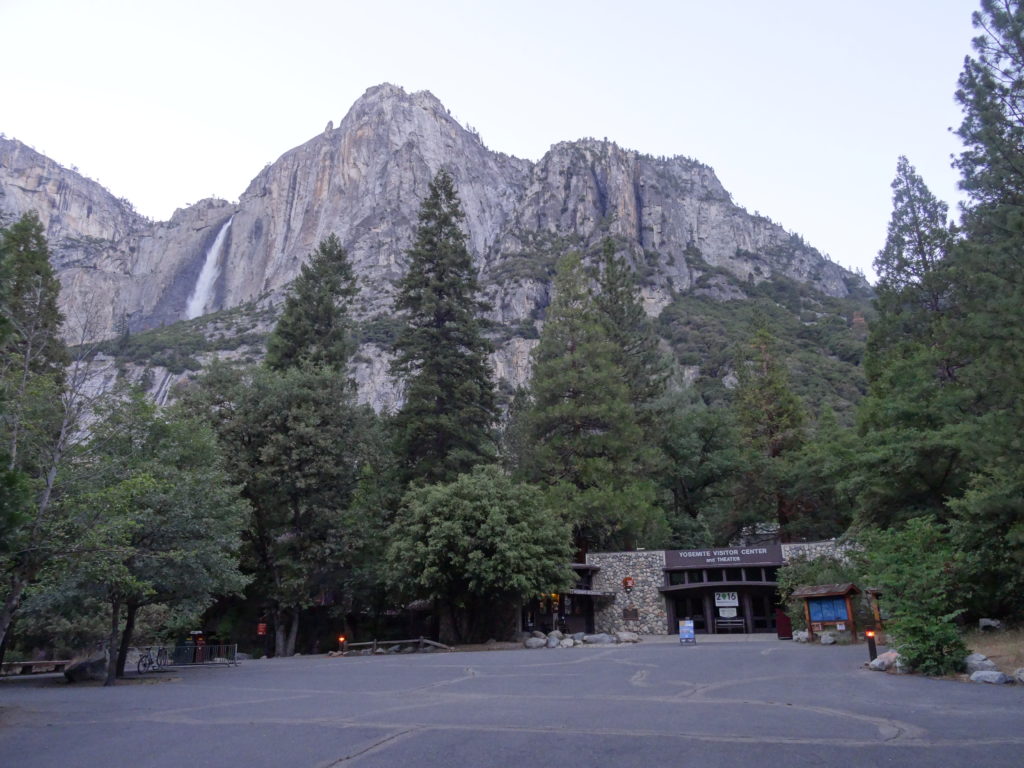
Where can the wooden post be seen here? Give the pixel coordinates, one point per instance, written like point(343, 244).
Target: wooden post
point(853, 620)
point(807, 618)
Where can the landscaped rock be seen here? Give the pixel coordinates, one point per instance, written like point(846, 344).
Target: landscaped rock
point(627, 637)
point(538, 633)
point(601, 638)
point(556, 634)
point(827, 638)
point(91, 667)
point(990, 676)
point(566, 642)
point(578, 637)
point(979, 662)
point(801, 636)
point(885, 661)
point(989, 625)
point(552, 642)
point(535, 642)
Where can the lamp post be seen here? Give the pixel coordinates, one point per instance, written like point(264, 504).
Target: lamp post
point(869, 635)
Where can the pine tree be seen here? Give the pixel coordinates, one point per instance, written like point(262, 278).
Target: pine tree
point(586, 443)
point(314, 327)
point(771, 419)
point(444, 427)
point(630, 330)
point(989, 329)
point(29, 290)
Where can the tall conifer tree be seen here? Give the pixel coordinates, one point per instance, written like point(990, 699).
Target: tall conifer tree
point(630, 330)
point(586, 444)
point(444, 427)
point(315, 327)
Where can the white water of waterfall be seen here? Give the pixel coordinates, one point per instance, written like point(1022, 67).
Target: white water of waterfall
point(208, 276)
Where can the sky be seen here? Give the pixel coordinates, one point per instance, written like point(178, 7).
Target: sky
point(802, 107)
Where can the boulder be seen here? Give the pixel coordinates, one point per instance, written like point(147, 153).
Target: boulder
point(556, 634)
point(578, 637)
point(535, 642)
point(602, 638)
point(566, 642)
point(827, 638)
point(552, 642)
point(91, 667)
point(1019, 675)
point(885, 661)
point(627, 637)
point(801, 636)
point(990, 676)
point(979, 662)
point(538, 633)
point(989, 625)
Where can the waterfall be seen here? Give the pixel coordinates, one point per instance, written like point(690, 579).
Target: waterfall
point(197, 302)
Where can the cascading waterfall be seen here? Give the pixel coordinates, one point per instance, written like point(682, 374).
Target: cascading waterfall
point(208, 276)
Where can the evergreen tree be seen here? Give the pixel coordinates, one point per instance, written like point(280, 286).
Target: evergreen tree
point(630, 330)
point(586, 443)
point(314, 327)
point(771, 420)
point(989, 330)
point(295, 441)
point(444, 427)
point(912, 457)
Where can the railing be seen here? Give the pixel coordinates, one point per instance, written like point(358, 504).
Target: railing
point(375, 645)
point(192, 655)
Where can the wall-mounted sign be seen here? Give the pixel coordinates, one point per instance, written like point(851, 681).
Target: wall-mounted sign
point(841, 627)
point(755, 554)
point(686, 635)
point(726, 598)
point(631, 614)
point(727, 613)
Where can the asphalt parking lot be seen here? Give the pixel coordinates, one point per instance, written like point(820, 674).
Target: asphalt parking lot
point(652, 704)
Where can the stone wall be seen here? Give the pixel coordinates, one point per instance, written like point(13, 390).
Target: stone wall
point(647, 569)
point(812, 550)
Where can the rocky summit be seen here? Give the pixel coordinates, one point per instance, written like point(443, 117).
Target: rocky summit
point(364, 181)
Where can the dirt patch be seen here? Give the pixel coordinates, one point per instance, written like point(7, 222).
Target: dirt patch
point(1005, 648)
point(495, 646)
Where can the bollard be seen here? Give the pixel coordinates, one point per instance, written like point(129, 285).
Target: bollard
point(869, 634)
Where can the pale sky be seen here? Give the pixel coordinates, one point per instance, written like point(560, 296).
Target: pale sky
point(801, 106)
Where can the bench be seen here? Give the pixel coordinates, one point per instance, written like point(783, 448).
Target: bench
point(32, 667)
point(730, 624)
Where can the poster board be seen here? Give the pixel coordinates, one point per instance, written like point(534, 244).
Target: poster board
point(686, 633)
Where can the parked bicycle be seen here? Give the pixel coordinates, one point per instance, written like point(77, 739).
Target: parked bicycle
point(153, 660)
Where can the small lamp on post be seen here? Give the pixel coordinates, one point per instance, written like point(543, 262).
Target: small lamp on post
point(342, 644)
point(869, 635)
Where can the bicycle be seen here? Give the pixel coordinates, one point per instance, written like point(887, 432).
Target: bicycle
point(153, 660)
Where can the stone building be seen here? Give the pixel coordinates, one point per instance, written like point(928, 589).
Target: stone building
point(723, 589)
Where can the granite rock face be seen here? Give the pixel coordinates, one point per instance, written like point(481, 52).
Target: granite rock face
point(364, 181)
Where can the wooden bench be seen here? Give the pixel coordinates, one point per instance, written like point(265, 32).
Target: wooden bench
point(730, 624)
point(33, 667)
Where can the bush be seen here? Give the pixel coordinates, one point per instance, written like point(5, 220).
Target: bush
point(916, 571)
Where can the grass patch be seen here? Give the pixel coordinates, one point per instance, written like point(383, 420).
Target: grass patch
point(1004, 648)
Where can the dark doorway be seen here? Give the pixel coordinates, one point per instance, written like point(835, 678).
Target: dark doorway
point(692, 607)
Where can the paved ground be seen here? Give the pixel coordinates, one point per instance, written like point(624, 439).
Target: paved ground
point(653, 704)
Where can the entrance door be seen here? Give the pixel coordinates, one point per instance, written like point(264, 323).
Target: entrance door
point(692, 607)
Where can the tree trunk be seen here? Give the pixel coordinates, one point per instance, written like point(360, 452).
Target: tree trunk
point(11, 603)
point(126, 637)
point(279, 636)
point(293, 632)
point(115, 621)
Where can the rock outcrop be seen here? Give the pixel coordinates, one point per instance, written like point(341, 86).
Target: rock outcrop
point(364, 181)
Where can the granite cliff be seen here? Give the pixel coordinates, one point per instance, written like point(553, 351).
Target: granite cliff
point(364, 181)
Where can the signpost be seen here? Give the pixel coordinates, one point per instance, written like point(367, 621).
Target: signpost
point(686, 634)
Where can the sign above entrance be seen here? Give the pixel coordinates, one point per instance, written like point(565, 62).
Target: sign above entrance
point(727, 598)
point(754, 554)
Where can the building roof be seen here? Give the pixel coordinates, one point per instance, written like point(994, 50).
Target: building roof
point(827, 590)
